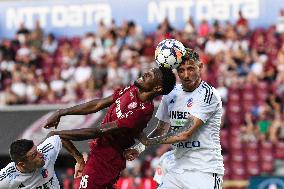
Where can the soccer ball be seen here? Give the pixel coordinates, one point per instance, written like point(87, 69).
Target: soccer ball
point(169, 53)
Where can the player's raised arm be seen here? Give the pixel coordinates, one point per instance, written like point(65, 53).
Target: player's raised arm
point(92, 106)
point(73, 151)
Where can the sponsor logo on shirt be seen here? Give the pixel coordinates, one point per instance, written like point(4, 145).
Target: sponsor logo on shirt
point(179, 115)
point(180, 122)
point(189, 102)
point(188, 144)
point(117, 109)
point(132, 105)
point(123, 90)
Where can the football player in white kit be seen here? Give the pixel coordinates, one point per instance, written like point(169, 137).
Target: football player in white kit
point(193, 111)
point(33, 166)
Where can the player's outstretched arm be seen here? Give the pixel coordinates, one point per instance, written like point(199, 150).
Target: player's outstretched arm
point(92, 106)
point(182, 134)
point(88, 133)
point(73, 151)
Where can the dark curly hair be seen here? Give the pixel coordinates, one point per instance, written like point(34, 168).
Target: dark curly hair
point(19, 149)
point(168, 80)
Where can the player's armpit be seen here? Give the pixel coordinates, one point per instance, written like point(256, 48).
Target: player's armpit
point(182, 134)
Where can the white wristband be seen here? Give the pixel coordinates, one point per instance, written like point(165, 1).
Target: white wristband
point(139, 147)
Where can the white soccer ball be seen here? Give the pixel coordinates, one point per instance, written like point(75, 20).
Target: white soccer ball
point(169, 53)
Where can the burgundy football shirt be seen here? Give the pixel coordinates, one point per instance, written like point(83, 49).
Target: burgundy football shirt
point(129, 112)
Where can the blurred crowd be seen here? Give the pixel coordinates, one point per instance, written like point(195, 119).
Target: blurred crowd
point(245, 65)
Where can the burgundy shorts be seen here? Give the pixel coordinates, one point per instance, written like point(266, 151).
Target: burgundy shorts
point(102, 170)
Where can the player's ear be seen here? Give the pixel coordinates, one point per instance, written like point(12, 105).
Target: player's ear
point(200, 65)
point(158, 89)
point(21, 164)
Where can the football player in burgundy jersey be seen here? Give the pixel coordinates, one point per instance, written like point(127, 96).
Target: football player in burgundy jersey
point(129, 111)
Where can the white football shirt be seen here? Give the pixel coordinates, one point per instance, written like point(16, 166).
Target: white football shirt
point(202, 151)
point(166, 163)
point(42, 178)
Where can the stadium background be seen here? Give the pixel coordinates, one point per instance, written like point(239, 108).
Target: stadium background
point(96, 46)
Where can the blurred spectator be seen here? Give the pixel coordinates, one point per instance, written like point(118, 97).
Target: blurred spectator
point(50, 44)
point(223, 90)
point(277, 129)
point(280, 22)
point(242, 23)
point(189, 28)
point(203, 29)
point(23, 34)
point(82, 72)
point(57, 84)
point(214, 45)
point(263, 124)
point(249, 129)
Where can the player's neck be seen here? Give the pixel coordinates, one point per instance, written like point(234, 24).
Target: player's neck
point(145, 96)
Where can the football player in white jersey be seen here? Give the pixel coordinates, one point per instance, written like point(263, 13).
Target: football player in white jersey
point(192, 111)
point(33, 166)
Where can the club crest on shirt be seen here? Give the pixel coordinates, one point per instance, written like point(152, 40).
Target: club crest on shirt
point(189, 102)
point(44, 173)
point(132, 105)
point(142, 106)
point(131, 95)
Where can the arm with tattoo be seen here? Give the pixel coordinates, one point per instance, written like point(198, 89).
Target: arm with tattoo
point(133, 152)
point(182, 134)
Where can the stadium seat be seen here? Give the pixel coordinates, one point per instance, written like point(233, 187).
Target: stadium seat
point(279, 150)
point(234, 120)
point(235, 144)
point(224, 138)
point(266, 166)
point(262, 86)
point(251, 147)
point(248, 96)
point(233, 108)
point(252, 156)
point(237, 155)
point(234, 96)
point(247, 106)
point(227, 174)
point(238, 171)
point(252, 168)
